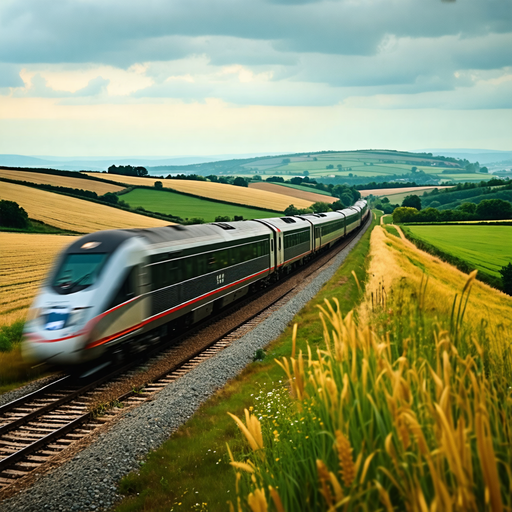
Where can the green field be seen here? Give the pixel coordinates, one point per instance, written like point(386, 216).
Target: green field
point(488, 248)
point(188, 207)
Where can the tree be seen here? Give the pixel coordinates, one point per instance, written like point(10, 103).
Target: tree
point(337, 205)
point(404, 214)
point(256, 177)
point(12, 215)
point(484, 169)
point(291, 210)
point(213, 178)
point(320, 207)
point(506, 278)
point(347, 199)
point(109, 197)
point(494, 209)
point(330, 166)
point(412, 201)
point(306, 173)
point(466, 207)
point(296, 180)
point(240, 182)
point(222, 218)
point(159, 185)
point(285, 161)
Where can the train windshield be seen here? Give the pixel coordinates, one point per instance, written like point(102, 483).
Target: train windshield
point(78, 271)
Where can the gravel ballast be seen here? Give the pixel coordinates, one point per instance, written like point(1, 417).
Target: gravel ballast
point(89, 480)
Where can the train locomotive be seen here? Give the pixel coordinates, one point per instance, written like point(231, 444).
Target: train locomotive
point(112, 292)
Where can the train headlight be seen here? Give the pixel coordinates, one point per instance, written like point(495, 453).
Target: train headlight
point(77, 317)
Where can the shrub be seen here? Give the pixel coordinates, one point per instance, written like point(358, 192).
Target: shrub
point(12, 215)
point(10, 335)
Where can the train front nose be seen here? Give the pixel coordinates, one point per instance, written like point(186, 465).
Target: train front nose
point(55, 334)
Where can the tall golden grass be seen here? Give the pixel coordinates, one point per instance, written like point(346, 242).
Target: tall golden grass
point(220, 191)
point(406, 407)
point(25, 261)
point(73, 214)
point(60, 181)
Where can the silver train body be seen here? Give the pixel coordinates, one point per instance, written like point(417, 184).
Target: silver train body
point(110, 290)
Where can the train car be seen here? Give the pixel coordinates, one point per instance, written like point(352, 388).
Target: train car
point(113, 292)
point(113, 286)
point(293, 240)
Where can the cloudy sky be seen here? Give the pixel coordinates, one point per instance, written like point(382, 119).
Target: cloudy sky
point(205, 77)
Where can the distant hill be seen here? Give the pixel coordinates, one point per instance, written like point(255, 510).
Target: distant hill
point(104, 162)
point(483, 156)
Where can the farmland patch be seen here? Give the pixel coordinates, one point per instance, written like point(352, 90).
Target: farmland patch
point(217, 191)
point(188, 207)
point(488, 248)
point(294, 193)
point(60, 181)
point(73, 214)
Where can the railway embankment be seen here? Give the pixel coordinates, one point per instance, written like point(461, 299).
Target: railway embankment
point(89, 480)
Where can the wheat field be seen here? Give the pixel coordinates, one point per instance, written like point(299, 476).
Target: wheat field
point(220, 191)
point(60, 181)
point(25, 261)
point(394, 259)
point(73, 214)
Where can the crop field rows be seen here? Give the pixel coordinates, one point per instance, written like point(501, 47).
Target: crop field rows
point(73, 214)
point(25, 261)
point(293, 193)
point(60, 181)
point(218, 191)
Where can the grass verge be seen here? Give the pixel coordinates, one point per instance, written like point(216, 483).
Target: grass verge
point(14, 372)
point(461, 264)
point(191, 471)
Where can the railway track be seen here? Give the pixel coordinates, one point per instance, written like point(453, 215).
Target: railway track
point(36, 428)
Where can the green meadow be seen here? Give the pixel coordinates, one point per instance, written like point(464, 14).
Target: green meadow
point(488, 248)
point(188, 207)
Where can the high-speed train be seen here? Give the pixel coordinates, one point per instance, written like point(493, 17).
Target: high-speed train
point(111, 292)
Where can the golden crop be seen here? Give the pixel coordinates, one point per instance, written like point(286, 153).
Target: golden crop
point(394, 260)
point(292, 192)
point(73, 214)
point(219, 191)
point(25, 261)
point(60, 181)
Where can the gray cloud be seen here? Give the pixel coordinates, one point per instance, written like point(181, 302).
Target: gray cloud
point(318, 52)
point(121, 33)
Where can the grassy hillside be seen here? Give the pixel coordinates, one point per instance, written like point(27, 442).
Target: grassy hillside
point(449, 199)
point(188, 207)
point(354, 166)
point(488, 248)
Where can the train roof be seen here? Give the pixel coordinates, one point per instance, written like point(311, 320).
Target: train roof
point(290, 223)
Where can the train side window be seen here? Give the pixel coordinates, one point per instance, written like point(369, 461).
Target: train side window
point(127, 290)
